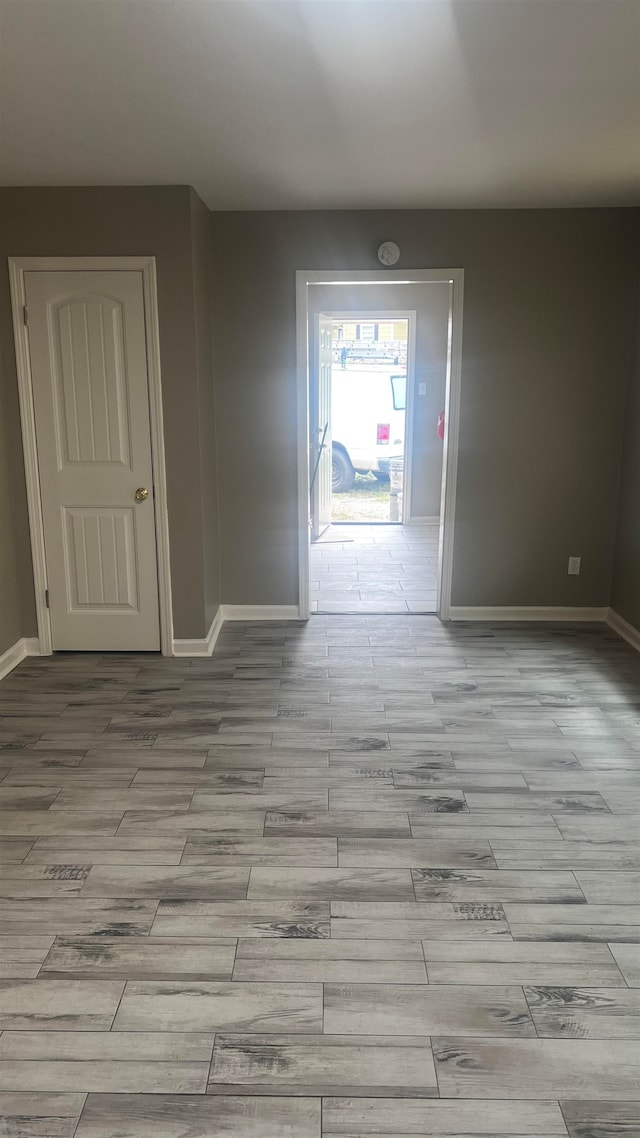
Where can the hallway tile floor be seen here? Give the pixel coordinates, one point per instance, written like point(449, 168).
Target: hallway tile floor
point(375, 569)
point(371, 876)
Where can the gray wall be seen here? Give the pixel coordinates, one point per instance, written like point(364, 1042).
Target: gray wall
point(167, 223)
point(625, 593)
point(547, 327)
point(12, 522)
point(547, 340)
point(431, 305)
point(201, 262)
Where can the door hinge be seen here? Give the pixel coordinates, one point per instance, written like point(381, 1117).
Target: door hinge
point(25, 314)
point(46, 598)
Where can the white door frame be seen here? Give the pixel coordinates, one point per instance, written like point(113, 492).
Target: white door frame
point(18, 266)
point(386, 314)
point(455, 279)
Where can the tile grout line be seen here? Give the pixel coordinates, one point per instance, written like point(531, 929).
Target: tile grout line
point(80, 1113)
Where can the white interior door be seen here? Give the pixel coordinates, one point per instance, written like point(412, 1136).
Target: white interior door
point(90, 387)
point(320, 430)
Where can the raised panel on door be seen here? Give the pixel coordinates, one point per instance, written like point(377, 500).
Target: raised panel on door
point(99, 549)
point(90, 385)
point(90, 381)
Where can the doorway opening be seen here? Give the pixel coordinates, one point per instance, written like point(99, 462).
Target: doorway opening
point(378, 386)
point(365, 556)
point(368, 419)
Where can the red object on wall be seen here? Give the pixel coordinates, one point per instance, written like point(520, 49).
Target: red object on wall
point(441, 426)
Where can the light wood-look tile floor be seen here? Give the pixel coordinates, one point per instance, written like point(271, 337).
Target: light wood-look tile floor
point(375, 569)
point(365, 877)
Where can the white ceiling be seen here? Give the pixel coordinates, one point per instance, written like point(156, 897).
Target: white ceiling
point(267, 104)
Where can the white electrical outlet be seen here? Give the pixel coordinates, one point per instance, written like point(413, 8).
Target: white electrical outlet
point(574, 566)
point(422, 389)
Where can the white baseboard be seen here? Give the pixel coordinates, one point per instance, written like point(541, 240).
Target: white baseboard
point(201, 647)
point(260, 612)
point(19, 651)
point(430, 521)
point(30, 646)
point(461, 612)
point(624, 629)
point(233, 612)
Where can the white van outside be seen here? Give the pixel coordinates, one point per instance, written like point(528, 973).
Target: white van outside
point(367, 422)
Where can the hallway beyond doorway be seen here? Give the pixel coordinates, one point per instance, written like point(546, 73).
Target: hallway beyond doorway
point(375, 569)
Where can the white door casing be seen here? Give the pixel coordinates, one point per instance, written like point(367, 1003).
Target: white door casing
point(455, 279)
point(89, 377)
point(320, 471)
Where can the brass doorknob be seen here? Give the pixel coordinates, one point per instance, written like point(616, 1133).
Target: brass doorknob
point(141, 494)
